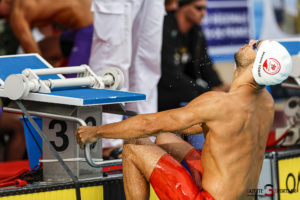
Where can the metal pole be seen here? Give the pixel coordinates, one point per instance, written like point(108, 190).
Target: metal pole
point(62, 163)
point(70, 82)
point(275, 174)
point(58, 70)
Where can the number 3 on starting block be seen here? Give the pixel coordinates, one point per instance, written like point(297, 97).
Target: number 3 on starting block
point(60, 133)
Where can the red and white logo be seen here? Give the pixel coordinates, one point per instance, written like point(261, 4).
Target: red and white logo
point(271, 66)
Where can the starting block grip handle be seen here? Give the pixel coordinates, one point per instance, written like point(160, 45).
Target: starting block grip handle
point(70, 82)
point(58, 70)
point(87, 154)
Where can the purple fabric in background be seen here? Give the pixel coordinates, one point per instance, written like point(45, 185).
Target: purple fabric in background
point(1, 111)
point(82, 46)
point(81, 51)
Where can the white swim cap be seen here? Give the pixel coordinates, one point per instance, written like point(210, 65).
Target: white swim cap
point(272, 64)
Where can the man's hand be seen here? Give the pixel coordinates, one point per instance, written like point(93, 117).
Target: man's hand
point(86, 134)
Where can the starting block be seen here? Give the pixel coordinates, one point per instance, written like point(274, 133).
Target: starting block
point(36, 88)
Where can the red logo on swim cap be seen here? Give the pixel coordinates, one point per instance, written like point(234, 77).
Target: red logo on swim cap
point(271, 66)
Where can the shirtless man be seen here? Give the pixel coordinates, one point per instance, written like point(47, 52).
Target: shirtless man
point(236, 126)
point(24, 15)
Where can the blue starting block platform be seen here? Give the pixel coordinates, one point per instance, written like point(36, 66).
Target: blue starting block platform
point(68, 96)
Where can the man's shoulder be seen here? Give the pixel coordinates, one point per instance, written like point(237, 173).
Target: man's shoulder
point(216, 94)
point(214, 97)
point(212, 105)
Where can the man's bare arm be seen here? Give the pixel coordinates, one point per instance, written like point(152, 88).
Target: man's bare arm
point(195, 129)
point(135, 127)
point(202, 109)
point(22, 31)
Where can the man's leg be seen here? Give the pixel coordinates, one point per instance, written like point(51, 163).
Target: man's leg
point(181, 150)
point(174, 145)
point(145, 162)
point(140, 157)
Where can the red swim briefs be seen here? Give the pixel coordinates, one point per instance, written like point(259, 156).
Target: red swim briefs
point(171, 181)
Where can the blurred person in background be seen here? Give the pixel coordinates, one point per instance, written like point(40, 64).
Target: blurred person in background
point(128, 35)
point(72, 15)
point(187, 70)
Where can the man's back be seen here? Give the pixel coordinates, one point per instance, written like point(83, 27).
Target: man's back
point(235, 143)
point(24, 15)
point(71, 14)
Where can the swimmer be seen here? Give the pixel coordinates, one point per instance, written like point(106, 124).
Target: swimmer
point(236, 125)
point(70, 14)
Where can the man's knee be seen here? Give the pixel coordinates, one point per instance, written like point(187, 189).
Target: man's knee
point(132, 146)
point(174, 145)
